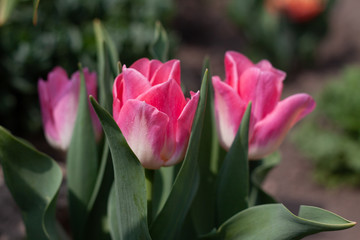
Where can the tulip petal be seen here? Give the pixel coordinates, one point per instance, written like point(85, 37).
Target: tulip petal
point(235, 65)
point(90, 80)
point(270, 132)
point(146, 67)
point(46, 112)
point(144, 128)
point(263, 88)
point(134, 84)
point(57, 81)
point(184, 125)
point(169, 70)
point(167, 97)
point(229, 109)
point(265, 65)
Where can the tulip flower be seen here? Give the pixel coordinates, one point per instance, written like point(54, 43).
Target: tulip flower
point(270, 119)
point(297, 10)
point(152, 112)
point(59, 98)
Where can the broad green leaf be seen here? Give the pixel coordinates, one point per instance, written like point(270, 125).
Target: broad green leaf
point(97, 224)
point(203, 206)
point(275, 222)
point(34, 180)
point(263, 167)
point(35, 12)
point(82, 165)
point(159, 48)
point(168, 223)
point(107, 59)
point(6, 7)
point(130, 190)
point(233, 180)
point(112, 212)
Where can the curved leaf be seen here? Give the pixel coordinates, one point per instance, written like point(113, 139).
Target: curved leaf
point(277, 223)
point(169, 222)
point(233, 179)
point(34, 180)
point(82, 165)
point(203, 207)
point(130, 189)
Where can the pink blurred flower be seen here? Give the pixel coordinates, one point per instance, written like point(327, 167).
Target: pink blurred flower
point(152, 112)
point(271, 118)
point(59, 98)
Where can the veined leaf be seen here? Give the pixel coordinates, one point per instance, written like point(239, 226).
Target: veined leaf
point(204, 204)
point(34, 180)
point(130, 189)
point(168, 223)
point(233, 180)
point(82, 165)
point(275, 222)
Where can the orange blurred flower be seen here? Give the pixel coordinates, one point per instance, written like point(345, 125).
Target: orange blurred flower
point(297, 10)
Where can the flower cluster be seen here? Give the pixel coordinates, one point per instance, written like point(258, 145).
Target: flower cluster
point(156, 119)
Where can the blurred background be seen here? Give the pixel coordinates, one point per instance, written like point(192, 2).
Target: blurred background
point(317, 42)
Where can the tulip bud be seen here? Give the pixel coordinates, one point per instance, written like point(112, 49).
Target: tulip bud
point(59, 99)
point(270, 119)
point(152, 112)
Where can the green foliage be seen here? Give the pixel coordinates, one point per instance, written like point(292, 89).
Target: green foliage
point(129, 194)
point(284, 43)
point(274, 221)
point(331, 138)
point(235, 169)
point(82, 152)
point(187, 180)
point(64, 36)
point(34, 180)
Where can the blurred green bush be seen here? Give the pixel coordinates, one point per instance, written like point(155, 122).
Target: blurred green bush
point(64, 36)
point(331, 139)
point(288, 44)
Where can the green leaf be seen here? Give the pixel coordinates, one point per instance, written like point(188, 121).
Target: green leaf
point(112, 212)
point(168, 223)
point(97, 224)
point(203, 207)
point(275, 222)
point(233, 181)
point(159, 48)
point(34, 180)
point(82, 165)
point(130, 189)
point(6, 7)
point(257, 194)
point(107, 59)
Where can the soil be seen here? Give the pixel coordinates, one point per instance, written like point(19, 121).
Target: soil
point(205, 30)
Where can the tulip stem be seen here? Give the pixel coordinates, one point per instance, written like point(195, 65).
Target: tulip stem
point(149, 174)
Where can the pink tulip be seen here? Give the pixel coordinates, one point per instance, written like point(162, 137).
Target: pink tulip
point(271, 118)
point(152, 112)
point(59, 98)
